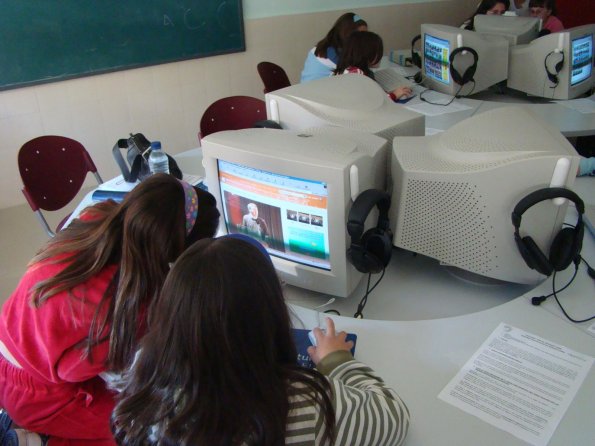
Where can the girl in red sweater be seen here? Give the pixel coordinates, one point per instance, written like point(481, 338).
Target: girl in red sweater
point(80, 309)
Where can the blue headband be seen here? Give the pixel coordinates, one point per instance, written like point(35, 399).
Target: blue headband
point(356, 18)
point(252, 241)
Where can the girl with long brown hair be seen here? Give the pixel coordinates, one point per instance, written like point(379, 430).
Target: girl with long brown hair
point(363, 51)
point(218, 365)
point(80, 309)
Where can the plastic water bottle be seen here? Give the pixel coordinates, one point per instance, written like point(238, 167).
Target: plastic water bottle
point(158, 162)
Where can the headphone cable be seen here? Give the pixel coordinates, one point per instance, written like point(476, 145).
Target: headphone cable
point(554, 292)
point(362, 303)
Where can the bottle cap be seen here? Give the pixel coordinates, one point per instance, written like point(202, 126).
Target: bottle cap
point(156, 145)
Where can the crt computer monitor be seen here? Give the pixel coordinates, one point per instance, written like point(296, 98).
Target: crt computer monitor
point(438, 44)
point(518, 30)
point(350, 101)
point(303, 184)
point(454, 192)
point(555, 66)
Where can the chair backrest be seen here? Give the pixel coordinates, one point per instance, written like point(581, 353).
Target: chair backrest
point(232, 113)
point(53, 170)
point(273, 76)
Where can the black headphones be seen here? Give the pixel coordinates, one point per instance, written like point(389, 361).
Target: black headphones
point(567, 244)
point(469, 72)
point(415, 57)
point(369, 252)
point(553, 77)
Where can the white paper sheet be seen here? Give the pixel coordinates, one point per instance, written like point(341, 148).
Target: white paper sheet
point(519, 382)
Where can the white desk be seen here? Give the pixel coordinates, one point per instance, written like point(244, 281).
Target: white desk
point(570, 122)
point(422, 325)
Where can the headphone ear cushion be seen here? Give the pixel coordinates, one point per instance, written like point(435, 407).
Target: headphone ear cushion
point(563, 249)
point(469, 73)
point(359, 258)
point(456, 77)
point(378, 247)
point(539, 260)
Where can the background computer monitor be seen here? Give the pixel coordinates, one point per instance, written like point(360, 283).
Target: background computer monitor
point(349, 101)
point(303, 185)
point(438, 44)
point(518, 30)
point(454, 192)
point(556, 66)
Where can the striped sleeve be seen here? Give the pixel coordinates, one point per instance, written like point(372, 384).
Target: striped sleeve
point(367, 411)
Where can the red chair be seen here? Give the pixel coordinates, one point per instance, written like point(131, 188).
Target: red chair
point(53, 170)
point(273, 76)
point(232, 113)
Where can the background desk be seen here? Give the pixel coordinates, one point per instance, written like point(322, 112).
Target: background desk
point(570, 122)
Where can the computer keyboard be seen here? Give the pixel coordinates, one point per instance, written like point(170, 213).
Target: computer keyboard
point(389, 79)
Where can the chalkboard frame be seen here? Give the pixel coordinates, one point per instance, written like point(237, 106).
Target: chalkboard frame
point(55, 40)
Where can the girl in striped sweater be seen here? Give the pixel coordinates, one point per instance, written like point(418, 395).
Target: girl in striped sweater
point(218, 365)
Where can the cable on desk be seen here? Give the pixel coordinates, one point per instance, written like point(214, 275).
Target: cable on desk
point(456, 96)
point(539, 299)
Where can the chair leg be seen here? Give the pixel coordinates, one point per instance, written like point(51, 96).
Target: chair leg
point(98, 177)
point(44, 223)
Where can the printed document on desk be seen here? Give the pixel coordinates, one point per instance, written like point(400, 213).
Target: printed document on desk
point(519, 382)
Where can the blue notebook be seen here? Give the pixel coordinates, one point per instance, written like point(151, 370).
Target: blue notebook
point(116, 189)
point(302, 342)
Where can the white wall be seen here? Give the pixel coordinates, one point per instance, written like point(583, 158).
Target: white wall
point(165, 102)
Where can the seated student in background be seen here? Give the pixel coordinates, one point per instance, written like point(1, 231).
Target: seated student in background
point(323, 58)
point(218, 365)
point(546, 11)
point(363, 50)
point(80, 309)
point(489, 7)
point(519, 7)
point(586, 167)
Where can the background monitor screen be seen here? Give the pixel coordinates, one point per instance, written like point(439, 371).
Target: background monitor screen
point(437, 52)
point(439, 43)
point(554, 66)
point(288, 215)
point(582, 59)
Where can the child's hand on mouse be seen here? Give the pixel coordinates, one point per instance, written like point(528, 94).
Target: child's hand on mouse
point(328, 342)
point(402, 92)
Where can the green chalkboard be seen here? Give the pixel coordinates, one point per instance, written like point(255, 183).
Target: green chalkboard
point(51, 40)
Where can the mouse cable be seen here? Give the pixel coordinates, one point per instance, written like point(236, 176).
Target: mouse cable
point(421, 97)
point(360, 307)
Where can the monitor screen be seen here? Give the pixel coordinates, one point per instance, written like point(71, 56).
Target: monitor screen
point(288, 215)
point(440, 42)
point(582, 59)
point(554, 66)
point(437, 52)
point(292, 191)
